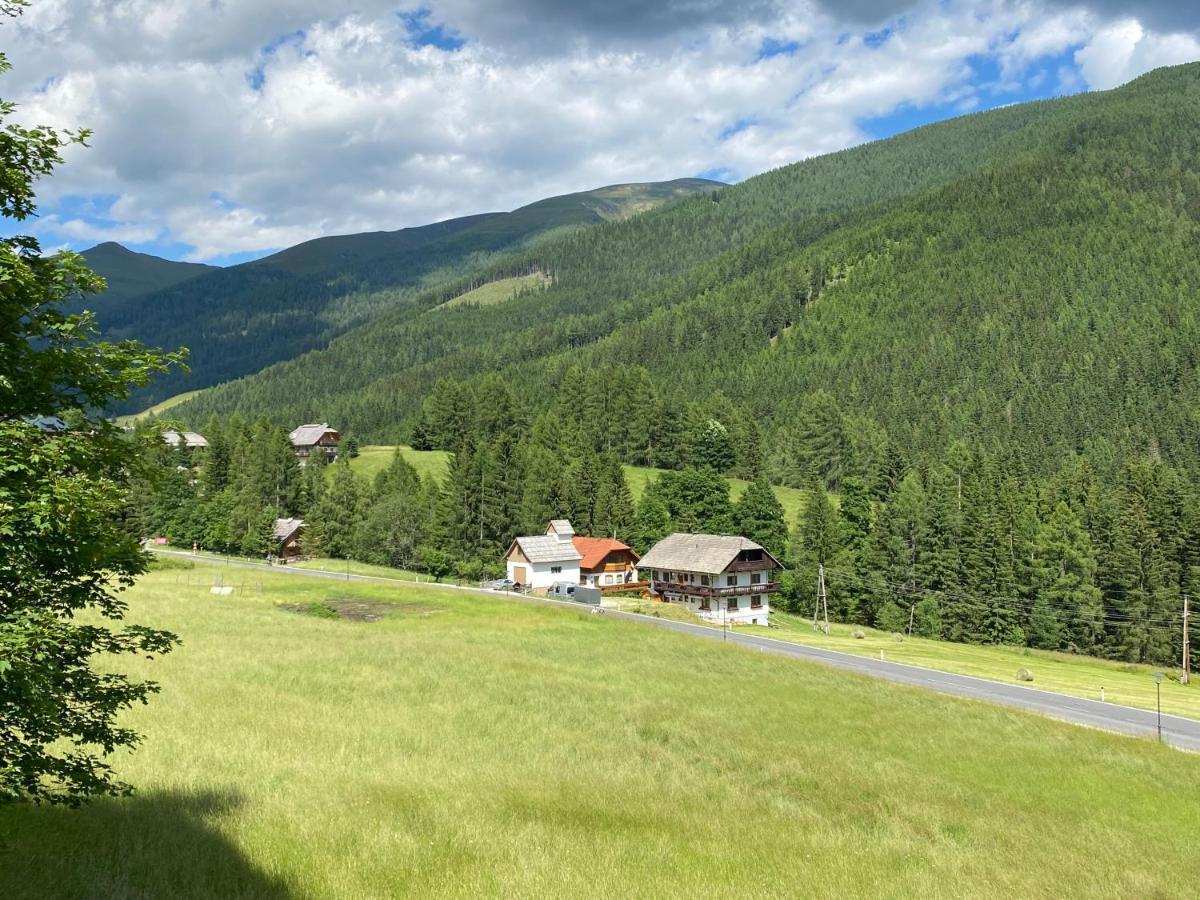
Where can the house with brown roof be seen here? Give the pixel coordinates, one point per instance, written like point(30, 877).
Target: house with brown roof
point(606, 561)
point(720, 577)
point(310, 439)
point(541, 560)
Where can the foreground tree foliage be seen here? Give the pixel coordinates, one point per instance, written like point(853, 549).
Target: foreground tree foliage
point(64, 554)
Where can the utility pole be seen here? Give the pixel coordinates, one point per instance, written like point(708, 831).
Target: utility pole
point(822, 604)
point(1187, 650)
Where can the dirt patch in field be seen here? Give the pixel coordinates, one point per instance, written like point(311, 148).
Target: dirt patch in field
point(360, 610)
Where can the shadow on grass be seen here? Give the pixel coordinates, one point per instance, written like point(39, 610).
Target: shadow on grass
point(136, 848)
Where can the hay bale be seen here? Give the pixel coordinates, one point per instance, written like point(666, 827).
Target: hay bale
point(858, 634)
point(1024, 675)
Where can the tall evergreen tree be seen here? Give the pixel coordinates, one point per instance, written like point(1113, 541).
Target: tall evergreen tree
point(758, 515)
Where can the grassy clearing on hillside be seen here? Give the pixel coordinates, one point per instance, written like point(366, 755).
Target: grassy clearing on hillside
point(1126, 684)
point(156, 410)
point(435, 463)
point(499, 291)
point(468, 745)
point(792, 499)
point(374, 458)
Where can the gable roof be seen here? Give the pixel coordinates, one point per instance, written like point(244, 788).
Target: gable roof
point(285, 528)
point(309, 435)
point(187, 438)
point(709, 553)
point(594, 550)
point(544, 548)
point(560, 526)
point(47, 424)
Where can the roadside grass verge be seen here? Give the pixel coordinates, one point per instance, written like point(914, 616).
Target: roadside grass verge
point(1126, 684)
point(506, 748)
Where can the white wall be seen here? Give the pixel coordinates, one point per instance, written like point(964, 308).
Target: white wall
point(538, 575)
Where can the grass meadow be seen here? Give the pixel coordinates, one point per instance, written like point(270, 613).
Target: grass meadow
point(471, 745)
point(374, 458)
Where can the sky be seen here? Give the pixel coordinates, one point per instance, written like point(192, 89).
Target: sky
point(225, 129)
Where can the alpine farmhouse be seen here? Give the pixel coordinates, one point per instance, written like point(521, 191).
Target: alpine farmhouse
point(722, 578)
point(310, 439)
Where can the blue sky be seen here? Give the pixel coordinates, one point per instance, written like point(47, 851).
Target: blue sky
point(223, 132)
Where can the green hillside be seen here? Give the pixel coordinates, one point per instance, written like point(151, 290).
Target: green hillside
point(130, 274)
point(1023, 277)
point(237, 320)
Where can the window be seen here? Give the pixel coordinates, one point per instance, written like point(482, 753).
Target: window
point(731, 604)
point(556, 570)
point(756, 601)
point(730, 580)
point(756, 577)
point(608, 579)
point(664, 576)
point(704, 580)
point(704, 603)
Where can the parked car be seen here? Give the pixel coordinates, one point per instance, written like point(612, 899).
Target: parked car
point(564, 589)
point(501, 584)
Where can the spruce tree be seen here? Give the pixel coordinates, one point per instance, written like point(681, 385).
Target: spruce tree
point(758, 515)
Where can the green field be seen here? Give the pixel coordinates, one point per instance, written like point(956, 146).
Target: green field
point(373, 459)
point(471, 745)
point(499, 291)
point(792, 499)
point(156, 410)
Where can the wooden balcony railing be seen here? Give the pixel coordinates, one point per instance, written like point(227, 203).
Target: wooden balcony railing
point(706, 590)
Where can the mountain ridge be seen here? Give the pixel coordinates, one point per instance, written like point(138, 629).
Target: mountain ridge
point(239, 319)
point(732, 293)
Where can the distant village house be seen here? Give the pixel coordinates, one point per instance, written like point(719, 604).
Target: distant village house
point(539, 561)
point(719, 577)
point(287, 539)
point(189, 439)
point(310, 439)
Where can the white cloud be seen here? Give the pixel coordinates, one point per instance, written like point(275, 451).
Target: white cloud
point(233, 127)
point(1124, 49)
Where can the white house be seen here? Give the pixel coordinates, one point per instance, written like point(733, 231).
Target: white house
point(720, 577)
point(541, 560)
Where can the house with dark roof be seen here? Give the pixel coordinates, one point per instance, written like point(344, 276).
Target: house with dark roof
point(720, 577)
point(310, 439)
point(47, 424)
point(287, 539)
point(606, 561)
point(541, 560)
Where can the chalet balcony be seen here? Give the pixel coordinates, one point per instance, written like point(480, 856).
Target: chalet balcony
point(706, 590)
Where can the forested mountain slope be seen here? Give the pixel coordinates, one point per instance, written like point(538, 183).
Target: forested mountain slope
point(237, 320)
point(130, 274)
point(1024, 278)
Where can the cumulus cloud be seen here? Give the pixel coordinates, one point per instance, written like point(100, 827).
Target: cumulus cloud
point(238, 127)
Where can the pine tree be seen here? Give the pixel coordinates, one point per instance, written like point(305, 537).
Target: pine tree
point(652, 524)
point(1068, 604)
point(758, 515)
point(336, 517)
point(614, 516)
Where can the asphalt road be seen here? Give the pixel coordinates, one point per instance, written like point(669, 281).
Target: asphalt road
point(1177, 731)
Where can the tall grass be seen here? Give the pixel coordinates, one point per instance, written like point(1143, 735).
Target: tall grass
point(470, 745)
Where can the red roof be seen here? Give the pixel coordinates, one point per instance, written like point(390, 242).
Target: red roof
point(595, 549)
